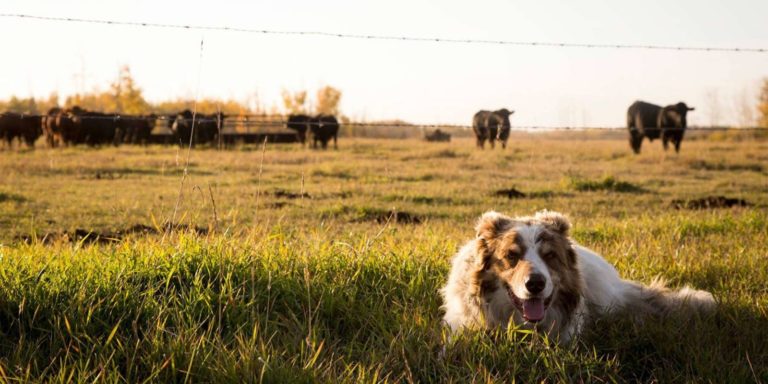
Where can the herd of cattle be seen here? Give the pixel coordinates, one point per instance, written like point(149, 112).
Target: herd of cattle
point(65, 127)
point(644, 120)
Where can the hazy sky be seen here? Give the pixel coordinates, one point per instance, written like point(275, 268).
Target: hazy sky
point(414, 81)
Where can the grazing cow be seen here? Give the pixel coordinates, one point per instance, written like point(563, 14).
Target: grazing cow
point(51, 127)
point(324, 127)
point(136, 129)
point(25, 128)
point(206, 127)
point(646, 120)
point(300, 124)
point(70, 132)
point(95, 128)
point(492, 126)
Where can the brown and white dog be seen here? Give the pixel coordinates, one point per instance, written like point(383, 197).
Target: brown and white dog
point(528, 272)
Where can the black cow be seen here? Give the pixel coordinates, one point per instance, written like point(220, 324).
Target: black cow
point(51, 127)
point(136, 129)
point(646, 120)
point(69, 131)
point(324, 128)
point(492, 126)
point(206, 127)
point(95, 128)
point(26, 128)
point(300, 124)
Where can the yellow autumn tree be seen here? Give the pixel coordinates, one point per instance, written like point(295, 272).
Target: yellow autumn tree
point(127, 96)
point(29, 105)
point(123, 96)
point(328, 99)
point(295, 102)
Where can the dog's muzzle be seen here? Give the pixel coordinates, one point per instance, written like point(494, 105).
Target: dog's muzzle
point(534, 307)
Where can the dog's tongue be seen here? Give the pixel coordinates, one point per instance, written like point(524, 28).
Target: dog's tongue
point(533, 309)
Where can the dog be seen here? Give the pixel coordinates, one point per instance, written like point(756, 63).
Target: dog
point(526, 271)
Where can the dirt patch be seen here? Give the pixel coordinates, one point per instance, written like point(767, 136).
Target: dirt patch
point(710, 202)
point(281, 193)
point(607, 183)
point(391, 216)
point(441, 154)
point(513, 193)
point(90, 236)
point(722, 166)
point(510, 193)
point(11, 197)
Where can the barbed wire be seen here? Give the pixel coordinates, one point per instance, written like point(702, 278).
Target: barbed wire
point(276, 121)
point(549, 44)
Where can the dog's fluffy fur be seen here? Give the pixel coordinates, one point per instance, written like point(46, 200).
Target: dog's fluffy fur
point(527, 271)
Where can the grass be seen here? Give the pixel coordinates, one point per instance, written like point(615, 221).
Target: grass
point(321, 289)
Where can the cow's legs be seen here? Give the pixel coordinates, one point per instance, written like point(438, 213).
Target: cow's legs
point(665, 140)
point(493, 143)
point(503, 144)
point(335, 141)
point(635, 141)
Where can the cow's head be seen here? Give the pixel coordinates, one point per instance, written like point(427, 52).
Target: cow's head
point(505, 112)
point(674, 115)
point(503, 115)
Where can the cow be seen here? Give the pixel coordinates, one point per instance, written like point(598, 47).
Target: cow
point(94, 128)
point(300, 124)
point(646, 120)
point(24, 127)
point(324, 128)
point(492, 126)
point(206, 127)
point(69, 131)
point(136, 129)
point(51, 127)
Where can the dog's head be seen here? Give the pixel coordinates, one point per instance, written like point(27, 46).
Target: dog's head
point(531, 259)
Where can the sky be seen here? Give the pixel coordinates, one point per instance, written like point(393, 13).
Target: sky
point(420, 82)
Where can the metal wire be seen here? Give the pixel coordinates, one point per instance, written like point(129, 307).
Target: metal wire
point(385, 37)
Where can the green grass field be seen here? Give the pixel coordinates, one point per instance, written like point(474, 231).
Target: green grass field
point(293, 265)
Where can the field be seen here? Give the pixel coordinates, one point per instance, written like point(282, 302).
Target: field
point(292, 265)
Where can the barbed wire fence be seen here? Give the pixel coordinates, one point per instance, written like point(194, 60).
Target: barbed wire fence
point(326, 34)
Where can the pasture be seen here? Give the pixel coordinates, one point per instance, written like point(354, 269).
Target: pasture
point(295, 265)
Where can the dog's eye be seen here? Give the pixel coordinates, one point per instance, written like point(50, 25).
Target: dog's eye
point(550, 255)
point(512, 255)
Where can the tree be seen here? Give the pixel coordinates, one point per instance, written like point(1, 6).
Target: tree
point(128, 97)
point(328, 101)
point(762, 106)
point(294, 103)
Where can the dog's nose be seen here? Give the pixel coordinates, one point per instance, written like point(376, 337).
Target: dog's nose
point(535, 283)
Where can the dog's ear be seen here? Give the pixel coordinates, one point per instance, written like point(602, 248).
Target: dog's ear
point(554, 221)
point(489, 228)
point(491, 224)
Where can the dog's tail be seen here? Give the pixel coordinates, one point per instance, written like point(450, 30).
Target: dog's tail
point(657, 299)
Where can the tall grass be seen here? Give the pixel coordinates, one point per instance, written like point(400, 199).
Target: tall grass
point(321, 289)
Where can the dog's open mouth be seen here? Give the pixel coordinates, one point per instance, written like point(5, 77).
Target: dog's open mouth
point(533, 309)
